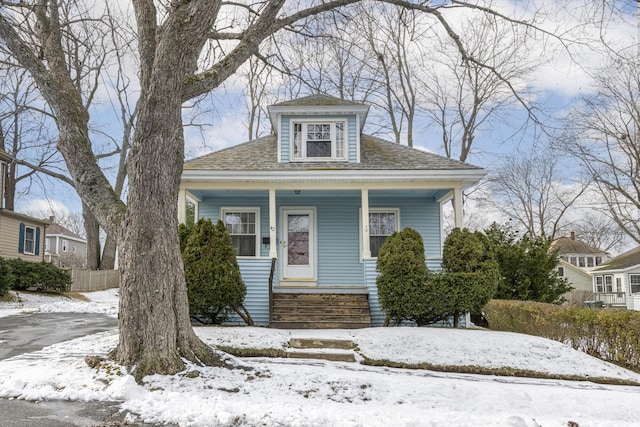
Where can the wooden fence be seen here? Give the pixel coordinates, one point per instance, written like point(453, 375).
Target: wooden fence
point(90, 280)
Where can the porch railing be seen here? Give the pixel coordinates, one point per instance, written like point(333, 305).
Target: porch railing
point(271, 274)
point(610, 298)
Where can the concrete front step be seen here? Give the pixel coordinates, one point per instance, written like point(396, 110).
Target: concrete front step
point(306, 343)
point(322, 348)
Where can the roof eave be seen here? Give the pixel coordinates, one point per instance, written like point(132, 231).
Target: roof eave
point(465, 177)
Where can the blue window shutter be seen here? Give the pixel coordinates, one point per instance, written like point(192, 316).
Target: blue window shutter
point(21, 239)
point(37, 251)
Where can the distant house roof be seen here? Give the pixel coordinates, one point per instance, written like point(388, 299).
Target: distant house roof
point(568, 245)
point(623, 261)
point(376, 154)
point(57, 229)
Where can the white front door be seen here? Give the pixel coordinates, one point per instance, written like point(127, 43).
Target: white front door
point(298, 244)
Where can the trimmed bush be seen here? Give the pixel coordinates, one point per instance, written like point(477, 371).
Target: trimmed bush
point(611, 335)
point(408, 291)
point(402, 289)
point(40, 275)
point(214, 283)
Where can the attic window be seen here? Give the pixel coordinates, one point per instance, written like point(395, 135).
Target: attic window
point(318, 141)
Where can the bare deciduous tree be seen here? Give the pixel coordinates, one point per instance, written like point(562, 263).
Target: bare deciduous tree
point(600, 232)
point(530, 191)
point(603, 133)
point(462, 98)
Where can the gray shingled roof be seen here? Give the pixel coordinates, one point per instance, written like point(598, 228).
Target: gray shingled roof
point(375, 154)
point(625, 260)
point(566, 245)
point(316, 100)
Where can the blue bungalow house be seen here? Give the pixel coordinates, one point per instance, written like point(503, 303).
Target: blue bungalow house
point(309, 206)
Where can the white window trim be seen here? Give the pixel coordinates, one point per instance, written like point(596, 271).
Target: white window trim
point(25, 251)
point(629, 278)
point(333, 157)
point(65, 245)
point(375, 210)
point(247, 209)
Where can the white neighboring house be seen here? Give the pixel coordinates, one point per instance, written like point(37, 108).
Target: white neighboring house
point(65, 248)
point(577, 260)
point(617, 282)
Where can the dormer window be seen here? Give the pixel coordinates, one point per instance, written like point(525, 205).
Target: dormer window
point(318, 141)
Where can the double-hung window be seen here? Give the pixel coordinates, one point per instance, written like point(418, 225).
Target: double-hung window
point(29, 240)
point(634, 283)
point(608, 283)
point(243, 224)
point(599, 284)
point(382, 224)
point(319, 140)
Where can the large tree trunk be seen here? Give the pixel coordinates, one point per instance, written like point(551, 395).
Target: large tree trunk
point(150, 264)
point(108, 260)
point(92, 231)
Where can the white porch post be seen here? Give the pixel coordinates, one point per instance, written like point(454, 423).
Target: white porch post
point(273, 248)
point(182, 206)
point(366, 247)
point(457, 207)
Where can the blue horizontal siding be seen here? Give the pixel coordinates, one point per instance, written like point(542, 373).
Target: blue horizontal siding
point(255, 274)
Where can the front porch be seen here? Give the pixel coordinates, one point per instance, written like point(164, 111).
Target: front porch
point(619, 300)
point(292, 244)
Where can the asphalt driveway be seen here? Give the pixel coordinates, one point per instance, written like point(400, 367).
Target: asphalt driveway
point(30, 332)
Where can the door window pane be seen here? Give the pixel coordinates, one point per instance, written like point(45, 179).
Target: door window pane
point(298, 239)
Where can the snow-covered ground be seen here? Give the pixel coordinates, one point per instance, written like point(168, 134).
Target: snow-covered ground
point(296, 392)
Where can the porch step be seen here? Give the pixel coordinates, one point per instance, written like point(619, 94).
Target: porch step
point(320, 311)
point(306, 343)
point(326, 349)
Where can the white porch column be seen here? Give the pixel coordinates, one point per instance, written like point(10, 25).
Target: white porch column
point(182, 207)
point(457, 207)
point(366, 247)
point(273, 248)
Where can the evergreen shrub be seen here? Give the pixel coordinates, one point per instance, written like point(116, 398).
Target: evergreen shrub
point(40, 275)
point(6, 276)
point(408, 291)
point(214, 283)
